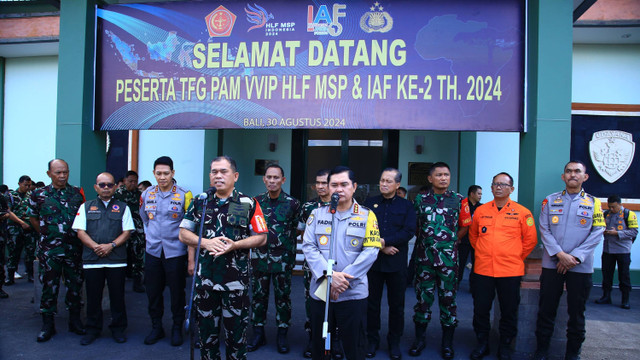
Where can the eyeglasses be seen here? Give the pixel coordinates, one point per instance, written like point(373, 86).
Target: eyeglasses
point(106, 185)
point(500, 185)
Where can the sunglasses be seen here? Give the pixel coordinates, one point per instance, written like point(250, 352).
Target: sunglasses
point(106, 185)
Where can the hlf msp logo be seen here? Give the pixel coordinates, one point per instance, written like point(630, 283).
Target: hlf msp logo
point(611, 153)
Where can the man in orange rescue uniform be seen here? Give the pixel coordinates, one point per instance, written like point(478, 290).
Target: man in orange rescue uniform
point(502, 234)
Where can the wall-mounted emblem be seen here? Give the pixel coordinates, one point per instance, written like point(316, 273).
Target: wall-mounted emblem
point(611, 153)
point(376, 20)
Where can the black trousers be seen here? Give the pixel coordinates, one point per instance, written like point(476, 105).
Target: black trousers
point(161, 272)
point(396, 287)
point(94, 283)
point(551, 289)
point(508, 290)
point(351, 317)
point(609, 266)
point(464, 250)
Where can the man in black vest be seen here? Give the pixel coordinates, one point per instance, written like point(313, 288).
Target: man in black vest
point(397, 224)
point(103, 226)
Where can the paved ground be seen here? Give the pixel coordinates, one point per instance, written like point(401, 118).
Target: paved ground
point(612, 333)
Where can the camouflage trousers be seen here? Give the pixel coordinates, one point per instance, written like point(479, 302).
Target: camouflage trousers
point(428, 277)
point(18, 240)
point(260, 283)
point(51, 269)
point(232, 307)
point(306, 280)
point(135, 253)
point(3, 240)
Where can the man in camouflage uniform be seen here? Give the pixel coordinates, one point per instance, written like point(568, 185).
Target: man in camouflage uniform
point(130, 194)
point(4, 215)
point(274, 261)
point(52, 210)
point(21, 234)
point(440, 212)
point(233, 224)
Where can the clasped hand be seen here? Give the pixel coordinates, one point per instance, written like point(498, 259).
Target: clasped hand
point(217, 246)
point(339, 284)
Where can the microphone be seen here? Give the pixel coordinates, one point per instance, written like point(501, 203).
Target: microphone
point(202, 196)
point(334, 203)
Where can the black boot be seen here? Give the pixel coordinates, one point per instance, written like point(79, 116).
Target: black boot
point(48, 328)
point(337, 352)
point(625, 300)
point(11, 275)
point(504, 351)
point(75, 323)
point(446, 347)
point(542, 349)
point(138, 285)
point(573, 350)
point(394, 349)
point(281, 341)
point(258, 339)
point(606, 297)
point(307, 350)
point(176, 335)
point(157, 332)
point(419, 342)
point(3, 294)
point(482, 349)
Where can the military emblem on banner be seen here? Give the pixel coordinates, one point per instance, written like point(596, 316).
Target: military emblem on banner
point(611, 153)
point(376, 20)
point(220, 22)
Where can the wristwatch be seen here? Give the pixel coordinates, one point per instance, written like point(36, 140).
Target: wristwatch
point(113, 244)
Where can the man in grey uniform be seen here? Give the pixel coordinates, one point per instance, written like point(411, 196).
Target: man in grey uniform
point(162, 208)
point(571, 226)
point(357, 241)
point(621, 232)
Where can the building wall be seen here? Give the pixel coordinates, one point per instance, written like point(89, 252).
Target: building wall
point(607, 74)
point(247, 146)
point(496, 152)
point(31, 85)
point(184, 147)
point(438, 146)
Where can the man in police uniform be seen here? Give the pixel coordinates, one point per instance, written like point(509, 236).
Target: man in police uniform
point(571, 226)
point(442, 219)
point(51, 211)
point(357, 241)
point(162, 208)
point(274, 261)
point(21, 234)
point(104, 225)
point(233, 224)
point(397, 221)
point(621, 232)
point(321, 187)
point(503, 233)
point(130, 194)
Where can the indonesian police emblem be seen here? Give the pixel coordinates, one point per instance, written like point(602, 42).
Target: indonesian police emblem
point(611, 153)
point(376, 20)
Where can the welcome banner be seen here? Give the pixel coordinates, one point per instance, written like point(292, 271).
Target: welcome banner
point(433, 65)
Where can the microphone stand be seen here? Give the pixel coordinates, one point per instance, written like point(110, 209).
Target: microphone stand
point(187, 324)
point(326, 334)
